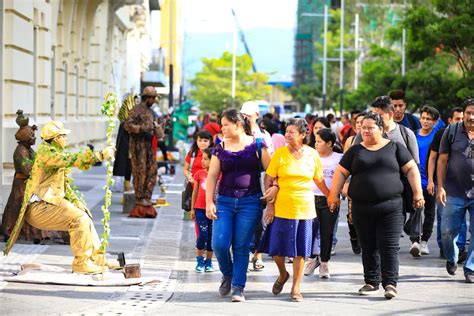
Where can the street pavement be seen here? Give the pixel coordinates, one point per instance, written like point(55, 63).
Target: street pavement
point(165, 249)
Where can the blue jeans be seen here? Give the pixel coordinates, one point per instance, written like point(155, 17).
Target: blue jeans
point(234, 227)
point(452, 218)
point(461, 242)
point(205, 230)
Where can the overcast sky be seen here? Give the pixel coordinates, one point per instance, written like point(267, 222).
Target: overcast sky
point(214, 16)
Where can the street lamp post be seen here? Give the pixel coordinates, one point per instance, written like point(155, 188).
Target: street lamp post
point(170, 95)
point(341, 61)
point(234, 63)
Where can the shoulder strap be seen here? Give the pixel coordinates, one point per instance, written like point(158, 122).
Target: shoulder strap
point(452, 130)
point(193, 155)
point(259, 152)
point(404, 133)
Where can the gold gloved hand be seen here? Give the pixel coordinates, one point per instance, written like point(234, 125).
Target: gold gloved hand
point(108, 153)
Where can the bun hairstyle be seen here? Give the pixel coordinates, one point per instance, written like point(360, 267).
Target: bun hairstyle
point(234, 116)
point(376, 117)
point(327, 135)
point(301, 125)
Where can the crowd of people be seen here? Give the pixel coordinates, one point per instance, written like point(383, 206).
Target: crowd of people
point(263, 185)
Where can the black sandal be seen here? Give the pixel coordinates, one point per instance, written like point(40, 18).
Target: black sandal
point(257, 264)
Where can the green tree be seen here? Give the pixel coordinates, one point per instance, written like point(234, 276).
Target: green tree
point(213, 84)
point(380, 73)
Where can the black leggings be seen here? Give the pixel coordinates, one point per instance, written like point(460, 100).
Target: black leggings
point(379, 225)
point(327, 220)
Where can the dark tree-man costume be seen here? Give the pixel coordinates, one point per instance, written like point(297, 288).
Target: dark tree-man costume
point(142, 127)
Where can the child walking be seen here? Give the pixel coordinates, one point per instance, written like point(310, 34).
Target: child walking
point(198, 212)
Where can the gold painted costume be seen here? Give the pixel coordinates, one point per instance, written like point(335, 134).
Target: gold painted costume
point(50, 202)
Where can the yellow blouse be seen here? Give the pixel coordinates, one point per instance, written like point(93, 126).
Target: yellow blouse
point(295, 199)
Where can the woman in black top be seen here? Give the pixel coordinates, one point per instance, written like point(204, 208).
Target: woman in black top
point(376, 193)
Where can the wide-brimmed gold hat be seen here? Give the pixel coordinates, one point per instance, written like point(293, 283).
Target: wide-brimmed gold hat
point(53, 129)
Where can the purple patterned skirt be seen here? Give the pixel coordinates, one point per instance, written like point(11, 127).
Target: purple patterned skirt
point(288, 238)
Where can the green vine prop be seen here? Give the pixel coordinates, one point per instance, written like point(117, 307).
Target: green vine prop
point(108, 109)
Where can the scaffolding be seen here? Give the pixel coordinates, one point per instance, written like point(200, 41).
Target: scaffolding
point(308, 32)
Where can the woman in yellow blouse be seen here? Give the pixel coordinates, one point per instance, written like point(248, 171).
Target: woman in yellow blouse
point(290, 216)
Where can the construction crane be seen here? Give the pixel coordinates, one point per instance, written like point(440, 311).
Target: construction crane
point(242, 38)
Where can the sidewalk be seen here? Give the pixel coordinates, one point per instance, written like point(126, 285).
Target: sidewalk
point(154, 243)
point(165, 248)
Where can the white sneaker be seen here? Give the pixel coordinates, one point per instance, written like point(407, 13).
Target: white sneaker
point(311, 265)
point(424, 248)
point(324, 270)
point(415, 250)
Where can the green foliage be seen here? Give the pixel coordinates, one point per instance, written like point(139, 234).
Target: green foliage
point(380, 73)
point(439, 50)
point(213, 84)
point(109, 107)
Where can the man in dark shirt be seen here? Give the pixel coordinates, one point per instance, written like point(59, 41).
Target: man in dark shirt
point(400, 116)
point(456, 187)
point(455, 117)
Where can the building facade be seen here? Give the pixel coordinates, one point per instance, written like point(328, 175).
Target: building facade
point(59, 59)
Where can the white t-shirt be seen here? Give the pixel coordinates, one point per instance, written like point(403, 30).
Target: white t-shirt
point(329, 164)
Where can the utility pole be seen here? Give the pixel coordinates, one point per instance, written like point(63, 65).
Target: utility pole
point(170, 95)
point(341, 61)
point(356, 48)
point(325, 55)
point(234, 62)
point(404, 37)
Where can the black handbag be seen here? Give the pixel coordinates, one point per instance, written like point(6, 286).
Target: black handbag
point(187, 194)
point(412, 226)
point(186, 197)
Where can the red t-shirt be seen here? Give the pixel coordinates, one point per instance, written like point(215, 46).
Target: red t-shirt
point(200, 178)
point(197, 165)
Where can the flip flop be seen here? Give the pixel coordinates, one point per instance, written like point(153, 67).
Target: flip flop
point(278, 286)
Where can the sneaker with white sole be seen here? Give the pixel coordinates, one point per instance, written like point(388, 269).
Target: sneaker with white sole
point(324, 270)
point(424, 248)
point(369, 289)
point(390, 292)
point(311, 265)
point(415, 250)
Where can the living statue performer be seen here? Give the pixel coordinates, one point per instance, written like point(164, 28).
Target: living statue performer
point(50, 203)
point(122, 163)
point(22, 159)
point(142, 127)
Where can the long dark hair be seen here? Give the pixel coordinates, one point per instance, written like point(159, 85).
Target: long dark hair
point(234, 116)
point(312, 137)
point(201, 134)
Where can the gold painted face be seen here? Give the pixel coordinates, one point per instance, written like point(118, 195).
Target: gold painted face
point(61, 140)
